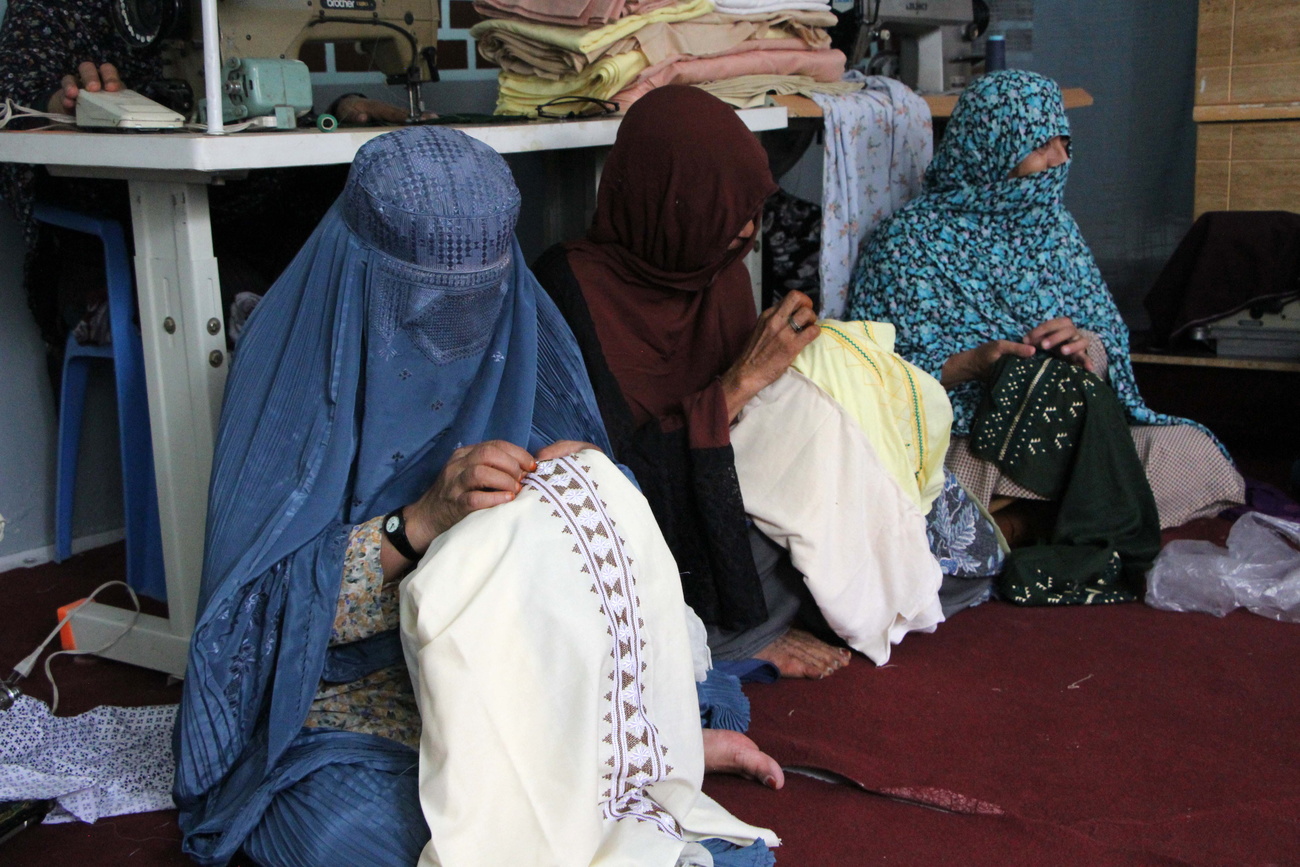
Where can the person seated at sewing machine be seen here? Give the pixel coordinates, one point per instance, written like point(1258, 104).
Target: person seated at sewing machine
point(49, 52)
point(702, 401)
point(351, 108)
point(987, 263)
point(532, 699)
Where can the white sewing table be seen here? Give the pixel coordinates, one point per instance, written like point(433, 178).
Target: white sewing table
point(181, 318)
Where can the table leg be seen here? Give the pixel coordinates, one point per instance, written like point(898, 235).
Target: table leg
point(185, 358)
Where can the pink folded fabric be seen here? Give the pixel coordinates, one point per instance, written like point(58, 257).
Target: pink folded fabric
point(823, 65)
point(570, 13)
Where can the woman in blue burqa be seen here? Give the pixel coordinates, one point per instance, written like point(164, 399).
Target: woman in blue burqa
point(402, 396)
point(987, 263)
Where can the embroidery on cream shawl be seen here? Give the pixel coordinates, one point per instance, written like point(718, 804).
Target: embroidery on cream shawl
point(637, 758)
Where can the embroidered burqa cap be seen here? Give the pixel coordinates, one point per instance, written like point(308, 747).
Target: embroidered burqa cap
point(406, 327)
point(441, 208)
point(440, 202)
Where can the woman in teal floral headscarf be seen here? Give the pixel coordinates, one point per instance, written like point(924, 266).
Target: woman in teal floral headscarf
point(987, 262)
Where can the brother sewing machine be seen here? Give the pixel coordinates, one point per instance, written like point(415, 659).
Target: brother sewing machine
point(1256, 333)
point(927, 44)
point(268, 47)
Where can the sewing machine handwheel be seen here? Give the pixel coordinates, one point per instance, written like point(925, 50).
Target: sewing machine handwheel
point(327, 122)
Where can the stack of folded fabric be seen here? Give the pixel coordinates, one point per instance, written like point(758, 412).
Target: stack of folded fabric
point(619, 50)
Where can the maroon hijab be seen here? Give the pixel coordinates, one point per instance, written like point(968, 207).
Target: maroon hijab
point(672, 306)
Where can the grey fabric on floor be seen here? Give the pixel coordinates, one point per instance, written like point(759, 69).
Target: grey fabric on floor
point(958, 594)
point(784, 592)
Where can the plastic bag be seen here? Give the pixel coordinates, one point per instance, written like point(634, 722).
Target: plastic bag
point(1258, 571)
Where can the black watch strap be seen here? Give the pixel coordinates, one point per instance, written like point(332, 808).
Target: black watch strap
point(395, 531)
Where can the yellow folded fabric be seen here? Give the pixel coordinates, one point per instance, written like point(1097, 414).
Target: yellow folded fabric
point(591, 40)
point(522, 94)
point(903, 410)
point(752, 91)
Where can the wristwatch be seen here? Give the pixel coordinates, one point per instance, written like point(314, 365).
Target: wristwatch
point(395, 532)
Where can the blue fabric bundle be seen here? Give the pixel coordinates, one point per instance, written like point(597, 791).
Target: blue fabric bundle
point(723, 704)
point(407, 326)
point(730, 855)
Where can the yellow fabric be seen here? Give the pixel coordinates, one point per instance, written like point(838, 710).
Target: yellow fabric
point(522, 94)
point(903, 410)
point(813, 484)
point(751, 91)
point(591, 40)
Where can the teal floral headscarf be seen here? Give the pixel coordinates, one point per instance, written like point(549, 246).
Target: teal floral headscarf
point(982, 256)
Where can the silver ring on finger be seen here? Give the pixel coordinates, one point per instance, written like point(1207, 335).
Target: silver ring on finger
point(794, 326)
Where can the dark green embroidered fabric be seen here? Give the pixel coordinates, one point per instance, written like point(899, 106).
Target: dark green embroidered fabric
point(1061, 432)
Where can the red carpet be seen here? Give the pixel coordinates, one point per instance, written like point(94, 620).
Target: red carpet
point(1140, 730)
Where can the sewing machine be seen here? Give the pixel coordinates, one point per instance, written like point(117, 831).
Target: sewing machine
point(396, 37)
point(927, 45)
point(1256, 333)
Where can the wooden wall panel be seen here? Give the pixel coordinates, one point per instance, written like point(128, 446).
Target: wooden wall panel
point(1214, 141)
point(1264, 32)
point(1252, 166)
point(1264, 186)
point(1274, 82)
point(1214, 34)
point(1265, 141)
point(1248, 51)
point(1211, 193)
point(1214, 85)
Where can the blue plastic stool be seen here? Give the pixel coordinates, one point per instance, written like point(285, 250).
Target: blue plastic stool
point(144, 561)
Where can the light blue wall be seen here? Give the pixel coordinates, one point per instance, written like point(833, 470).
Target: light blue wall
point(1131, 184)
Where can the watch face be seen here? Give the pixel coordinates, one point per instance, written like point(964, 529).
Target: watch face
point(392, 524)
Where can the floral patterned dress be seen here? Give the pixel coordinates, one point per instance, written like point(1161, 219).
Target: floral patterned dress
point(381, 703)
point(983, 256)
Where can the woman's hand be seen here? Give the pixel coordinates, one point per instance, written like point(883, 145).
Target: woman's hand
point(1062, 338)
point(781, 334)
point(362, 109)
point(474, 478)
point(977, 363)
point(90, 76)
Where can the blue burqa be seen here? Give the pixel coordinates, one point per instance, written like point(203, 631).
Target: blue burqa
point(407, 326)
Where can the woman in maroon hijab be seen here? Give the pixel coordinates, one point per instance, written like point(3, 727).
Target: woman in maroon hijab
point(660, 300)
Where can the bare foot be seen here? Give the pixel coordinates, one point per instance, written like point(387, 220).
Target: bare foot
point(728, 752)
point(799, 654)
point(1025, 522)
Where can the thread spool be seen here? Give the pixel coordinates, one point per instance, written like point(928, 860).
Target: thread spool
point(995, 53)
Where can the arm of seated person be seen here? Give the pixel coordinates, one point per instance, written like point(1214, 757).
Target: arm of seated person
point(367, 604)
point(1065, 340)
point(1060, 337)
point(781, 334)
point(89, 76)
point(1097, 357)
point(476, 477)
point(359, 108)
point(977, 363)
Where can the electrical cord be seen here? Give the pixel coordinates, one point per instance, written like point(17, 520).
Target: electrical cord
point(11, 111)
point(24, 668)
